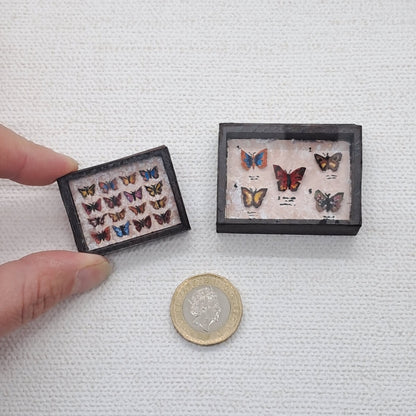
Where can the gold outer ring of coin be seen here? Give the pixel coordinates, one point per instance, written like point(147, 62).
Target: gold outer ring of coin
point(200, 337)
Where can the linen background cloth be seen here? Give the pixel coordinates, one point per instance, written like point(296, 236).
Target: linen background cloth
point(329, 321)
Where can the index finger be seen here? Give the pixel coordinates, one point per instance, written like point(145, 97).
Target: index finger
point(31, 164)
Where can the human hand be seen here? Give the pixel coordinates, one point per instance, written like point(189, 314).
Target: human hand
point(35, 283)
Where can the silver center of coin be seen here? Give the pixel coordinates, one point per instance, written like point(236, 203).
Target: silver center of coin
point(206, 308)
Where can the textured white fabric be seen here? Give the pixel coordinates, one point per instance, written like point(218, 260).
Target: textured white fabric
point(329, 325)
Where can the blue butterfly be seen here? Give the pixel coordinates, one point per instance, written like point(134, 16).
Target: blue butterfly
point(149, 173)
point(122, 230)
point(258, 159)
point(107, 186)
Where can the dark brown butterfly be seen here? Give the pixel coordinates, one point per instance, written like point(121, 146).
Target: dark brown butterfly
point(102, 235)
point(163, 218)
point(328, 162)
point(97, 221)
point(113, 201)
point(328, 202)
point(138, 209)
point(87, 190)
point(128, 179)
point(117, 216)
point(95, 206)
point(160, 203)
point(145, 222)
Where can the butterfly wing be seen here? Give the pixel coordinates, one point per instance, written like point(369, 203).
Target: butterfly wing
point(281, 176)
point(138, 224)
point(321, 200)
point(138, 194)
point(145, 174)
point(158, 188)
point(109, 202)
point(333, 161)
point(246, 160)
point(104, 187)
point(129, 196)
point(96, 237)
point(97, 221)
point(295, 178)
point(260, 159)
point(167, 216)
point(154, 172)
point(141, 208)
point(335, 202)
point(151, 190)
point(247, 195)
point(148, 221)
point(125, 228)
point(322, 161)
point(106, 234)
point(258, 197)
point(118, 231)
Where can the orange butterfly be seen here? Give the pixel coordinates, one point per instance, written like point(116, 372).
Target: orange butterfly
point(128, 179)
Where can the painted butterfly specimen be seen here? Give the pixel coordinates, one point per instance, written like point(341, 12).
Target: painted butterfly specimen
point(128, 179)
point(97, 221)
point(113, 201)
point(87, 190)
point(132, 196)
point(163, 218)
point(328, 162)
point(149, 173)
point(253, 197)
point(122, 229)
point(107, 186)
point(328, 202)
point(95, 206)
point(154, 189)
point(160, 203)
point(138, 209)
point(102, 235)
point(145, 222)
point(288, 180)
point(258, 159)
point(118, 216)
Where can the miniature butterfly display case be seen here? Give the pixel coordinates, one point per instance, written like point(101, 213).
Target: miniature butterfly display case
point(289, 178)
point(124, 202)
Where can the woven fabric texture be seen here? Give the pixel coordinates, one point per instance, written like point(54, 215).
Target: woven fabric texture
point(329, 323)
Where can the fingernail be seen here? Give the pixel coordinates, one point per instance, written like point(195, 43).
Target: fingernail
point(92, 276)
point(71, 162)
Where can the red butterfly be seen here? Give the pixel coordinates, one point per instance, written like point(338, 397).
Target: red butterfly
point(114, 201)
point(145, 222)
point(163, 218)
point(288, 180)
point(102, 235)
point(95, 206)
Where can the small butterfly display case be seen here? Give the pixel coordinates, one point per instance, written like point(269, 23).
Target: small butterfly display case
point(289, 178)
point(124, 202)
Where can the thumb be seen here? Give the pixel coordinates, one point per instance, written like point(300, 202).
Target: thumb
point(35, 283)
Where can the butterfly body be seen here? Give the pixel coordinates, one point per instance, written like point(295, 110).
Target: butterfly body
point(122, 229)
point(159, 203)
point(128, 179)
point(288, 180)
point(113, 201)
point(97, 221)
point(118, 216)
point(328, 162)
point(251, 160)
point(148, 174)
point(163, 218)
point(102, 235)
point(95, 206)
point(87, 190)
point(328, 202)
point(253, 197)
point(144, 222)
point(138, 209)
point(154, 190)
point(132, 196)
point(107, 186)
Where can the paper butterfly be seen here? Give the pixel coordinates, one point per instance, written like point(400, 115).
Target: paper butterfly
point(128, 179)
point(154, 189)
point(145, 222)
point(288, 180)
point(97, 221)
point(149, 173)
point(87, 190)
point(122, 230)
point(132, 196)
point(160, 203)
point(258, 159)
point(117, 216)
point(253, 198)
point(138, 209)
point(328, 162)
point(101, 236)
point(95, 206)
point(113, 201)
point(327, 202)
point(163, 218)
point(107, 186)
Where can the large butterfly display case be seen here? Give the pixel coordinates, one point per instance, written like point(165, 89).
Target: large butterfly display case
point(124, 202)
point(289, 178)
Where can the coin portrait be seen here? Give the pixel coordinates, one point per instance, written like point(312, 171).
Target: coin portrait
point(206, 309)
